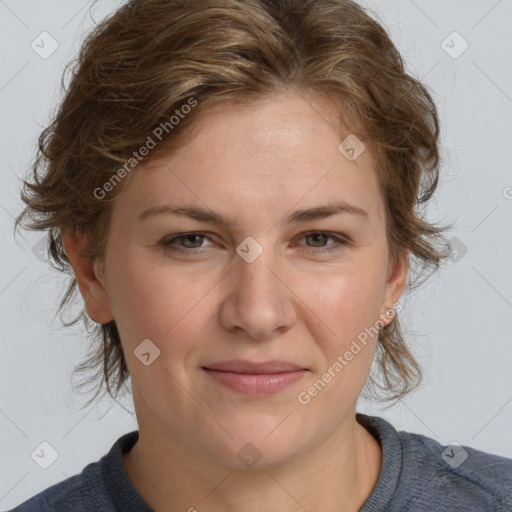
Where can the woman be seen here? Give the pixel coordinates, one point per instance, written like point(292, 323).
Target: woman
point(234, 186)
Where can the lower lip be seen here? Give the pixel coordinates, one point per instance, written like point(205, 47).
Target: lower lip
point(252, 384)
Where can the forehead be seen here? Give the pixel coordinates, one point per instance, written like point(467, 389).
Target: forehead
point(270, 154)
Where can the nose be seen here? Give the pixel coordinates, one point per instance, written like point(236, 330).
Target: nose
point(258, 299)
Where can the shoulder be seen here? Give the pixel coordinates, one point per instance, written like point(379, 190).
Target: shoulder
point(454, 475)
point(97, 487)
point(420, 474)
point(77, 493)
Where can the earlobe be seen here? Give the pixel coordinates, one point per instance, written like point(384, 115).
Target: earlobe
point(86, 271)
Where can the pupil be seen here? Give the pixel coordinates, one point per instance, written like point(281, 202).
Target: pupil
point(316, 235)
point(190, 238)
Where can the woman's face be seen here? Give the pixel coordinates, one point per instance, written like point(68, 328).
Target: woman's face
point(255, 287)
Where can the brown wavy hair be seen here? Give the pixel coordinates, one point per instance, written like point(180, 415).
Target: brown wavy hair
point(139, 66)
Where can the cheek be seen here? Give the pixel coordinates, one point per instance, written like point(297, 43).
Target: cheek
point(347, 302)
point(158, 302)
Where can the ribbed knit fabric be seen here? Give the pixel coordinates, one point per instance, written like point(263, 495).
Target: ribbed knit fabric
point(417, 474)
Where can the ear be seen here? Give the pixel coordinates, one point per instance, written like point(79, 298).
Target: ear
point(395, 285)
point(88, 273)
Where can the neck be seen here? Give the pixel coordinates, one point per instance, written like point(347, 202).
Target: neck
point(336, 475)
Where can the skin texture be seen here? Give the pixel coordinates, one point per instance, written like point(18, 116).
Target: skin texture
point(255, 164)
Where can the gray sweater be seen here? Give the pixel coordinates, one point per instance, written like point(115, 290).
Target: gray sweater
point(417, 474)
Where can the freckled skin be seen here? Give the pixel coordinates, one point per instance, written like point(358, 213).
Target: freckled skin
point(254, 164)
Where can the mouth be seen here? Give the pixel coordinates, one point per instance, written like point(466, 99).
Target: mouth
point(253, 378)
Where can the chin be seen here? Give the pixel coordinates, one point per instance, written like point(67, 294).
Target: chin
point(260, 442)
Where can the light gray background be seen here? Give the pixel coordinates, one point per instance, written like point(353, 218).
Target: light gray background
point(459, 324)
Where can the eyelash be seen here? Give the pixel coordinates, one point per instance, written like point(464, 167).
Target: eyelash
point(340, 241)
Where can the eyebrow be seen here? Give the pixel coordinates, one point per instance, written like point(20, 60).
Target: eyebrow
point(212, 217)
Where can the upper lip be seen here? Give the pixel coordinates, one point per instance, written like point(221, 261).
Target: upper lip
point(251, 367)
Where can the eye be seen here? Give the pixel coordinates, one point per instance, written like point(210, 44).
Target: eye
point(187, 242)
point(319, 240)
point(193, 243)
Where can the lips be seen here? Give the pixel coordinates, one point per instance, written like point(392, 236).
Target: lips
point(255, 368)
point(255, 379)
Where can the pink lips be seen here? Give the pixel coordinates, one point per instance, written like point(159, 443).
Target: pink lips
point(250, 378)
